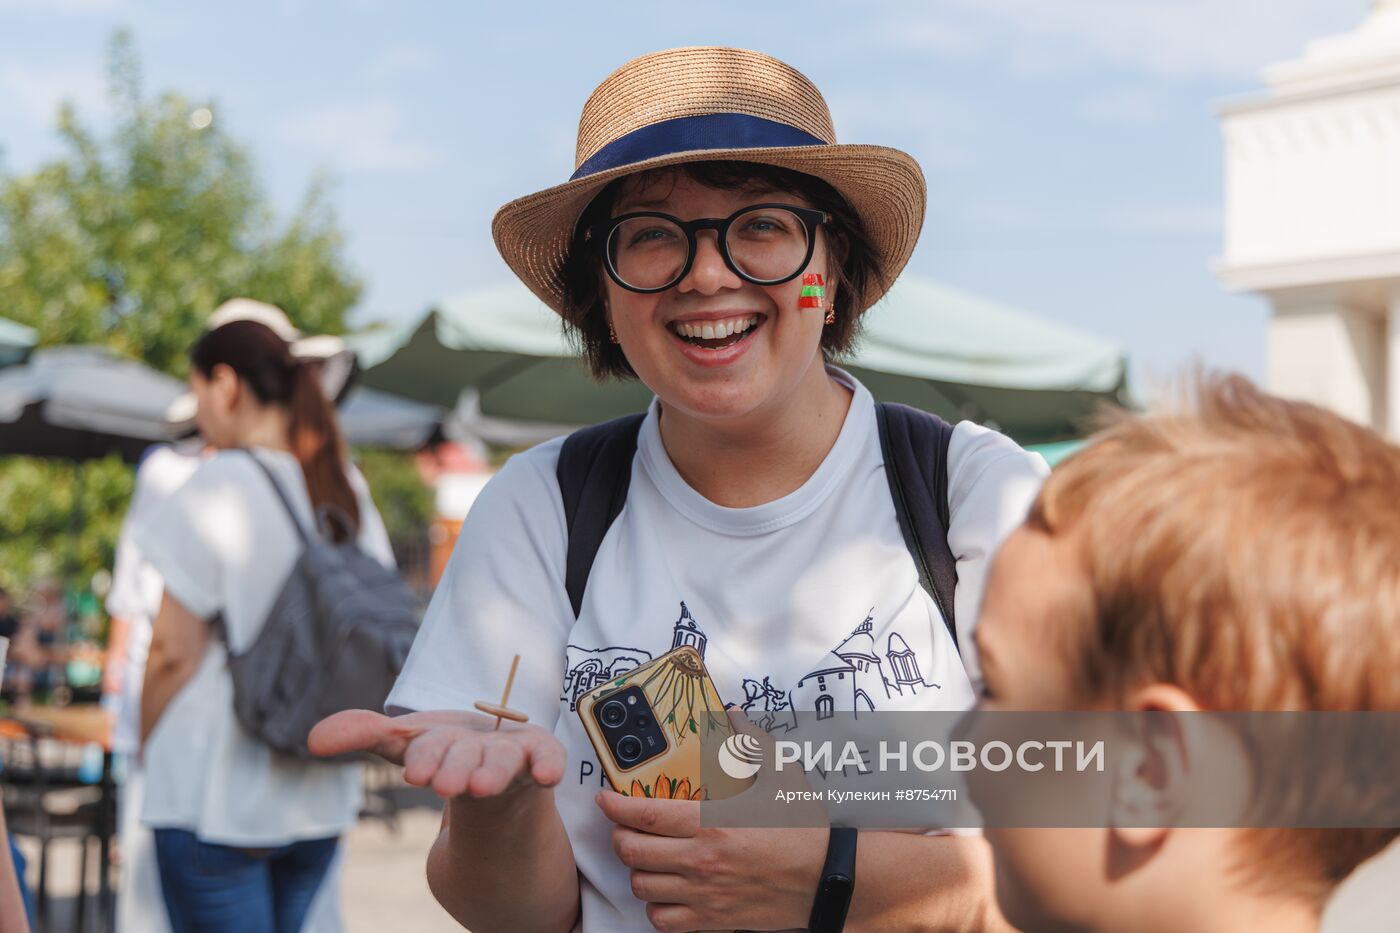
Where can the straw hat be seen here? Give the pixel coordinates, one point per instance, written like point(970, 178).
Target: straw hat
point(335, 356)
point(709, 103)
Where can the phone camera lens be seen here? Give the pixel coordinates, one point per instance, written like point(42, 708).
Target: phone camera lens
point(613, 714)
point(629, 749)
point(643, 721)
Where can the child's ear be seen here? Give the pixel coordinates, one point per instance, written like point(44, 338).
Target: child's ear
point(1153, 772)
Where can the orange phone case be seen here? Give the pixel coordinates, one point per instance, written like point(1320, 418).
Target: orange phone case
point(685, 703)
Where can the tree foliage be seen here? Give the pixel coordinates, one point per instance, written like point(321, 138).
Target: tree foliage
point(59, 520)
point(130, 238)
point(403, 499)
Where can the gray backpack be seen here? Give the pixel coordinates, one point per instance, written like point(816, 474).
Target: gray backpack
point(334, 640)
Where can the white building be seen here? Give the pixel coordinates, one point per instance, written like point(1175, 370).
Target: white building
point(1312, 218)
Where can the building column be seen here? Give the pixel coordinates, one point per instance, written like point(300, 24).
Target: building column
point(1393, 365)
point(1331, 353)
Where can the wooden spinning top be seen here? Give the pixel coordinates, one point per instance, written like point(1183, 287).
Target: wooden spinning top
point(500, 710)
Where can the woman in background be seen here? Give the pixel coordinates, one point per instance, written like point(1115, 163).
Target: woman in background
point(243, 836)
point(134, 601)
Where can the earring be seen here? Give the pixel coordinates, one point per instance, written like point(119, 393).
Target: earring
point(612, 334)
point(831, 314)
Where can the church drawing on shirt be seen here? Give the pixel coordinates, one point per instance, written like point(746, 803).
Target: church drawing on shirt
point(586, 668)
point(853, 677)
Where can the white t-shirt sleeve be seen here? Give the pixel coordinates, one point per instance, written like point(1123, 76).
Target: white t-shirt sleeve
point(201, 534)
point(502, 593)
point(991, 485)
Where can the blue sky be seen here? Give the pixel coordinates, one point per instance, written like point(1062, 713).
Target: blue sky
point(1071, 147)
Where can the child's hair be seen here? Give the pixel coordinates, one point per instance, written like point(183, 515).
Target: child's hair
point(1247, 550)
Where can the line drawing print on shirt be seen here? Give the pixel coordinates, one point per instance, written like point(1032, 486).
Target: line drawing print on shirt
point(586, 668)
point(687, 632)
point(763, 697)
point(849, 678)
point(844, 680)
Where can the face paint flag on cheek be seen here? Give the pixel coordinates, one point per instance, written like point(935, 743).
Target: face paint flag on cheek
point(813, 291)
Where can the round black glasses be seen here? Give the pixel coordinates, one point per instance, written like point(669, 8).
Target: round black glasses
point(766, 244)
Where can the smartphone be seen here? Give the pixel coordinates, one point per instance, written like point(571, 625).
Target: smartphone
point(649, 725)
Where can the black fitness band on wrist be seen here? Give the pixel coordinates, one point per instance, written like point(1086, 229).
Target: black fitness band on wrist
point(837, 884)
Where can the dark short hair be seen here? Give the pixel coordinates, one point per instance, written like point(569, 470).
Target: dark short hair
point(859, 272)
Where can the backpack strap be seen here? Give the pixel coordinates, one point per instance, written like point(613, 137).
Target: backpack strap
point(281, 496)
point(217, 622)
point(594, 471)
point(915, 448)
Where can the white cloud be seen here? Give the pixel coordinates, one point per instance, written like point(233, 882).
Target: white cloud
point(402, 58)
point(1128, 105)
point(916, 116)
point(366, 136)
point(1175, 39)
point(1015, 218)
point(1004, 217)
point(1165, 218)
point(938, 37)
point(38, 90)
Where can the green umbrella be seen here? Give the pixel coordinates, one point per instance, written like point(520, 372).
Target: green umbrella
point(924, 344)
point(962, 356)
point(502, 343)
point(16, 342)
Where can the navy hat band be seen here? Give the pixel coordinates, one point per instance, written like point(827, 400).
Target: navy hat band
point(686, 134)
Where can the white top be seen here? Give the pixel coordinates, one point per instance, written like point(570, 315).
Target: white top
point(137, 586)
point(768, 594)
point(224, 544)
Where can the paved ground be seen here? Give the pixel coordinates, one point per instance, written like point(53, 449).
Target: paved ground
point(384, 888)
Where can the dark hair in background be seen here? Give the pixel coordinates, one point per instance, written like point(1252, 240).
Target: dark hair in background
point(858, 269)
point(266, 365)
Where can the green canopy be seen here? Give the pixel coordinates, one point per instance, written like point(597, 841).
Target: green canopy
point(16, 342)
point(962, 356)
point(503, 344)
point(924, 344)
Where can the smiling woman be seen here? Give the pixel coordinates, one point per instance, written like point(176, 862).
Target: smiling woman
point(859, 268)
point(718, 244)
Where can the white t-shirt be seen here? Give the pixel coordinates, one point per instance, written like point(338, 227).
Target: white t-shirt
point(224, 544)
point(137, 586)
point(816, 581)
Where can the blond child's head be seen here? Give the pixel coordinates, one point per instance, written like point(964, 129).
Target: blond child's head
point(1238, 552)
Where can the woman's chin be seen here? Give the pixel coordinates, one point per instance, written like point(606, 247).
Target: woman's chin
point(713, 403)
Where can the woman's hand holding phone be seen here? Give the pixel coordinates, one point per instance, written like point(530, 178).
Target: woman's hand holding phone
point(455, 753)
